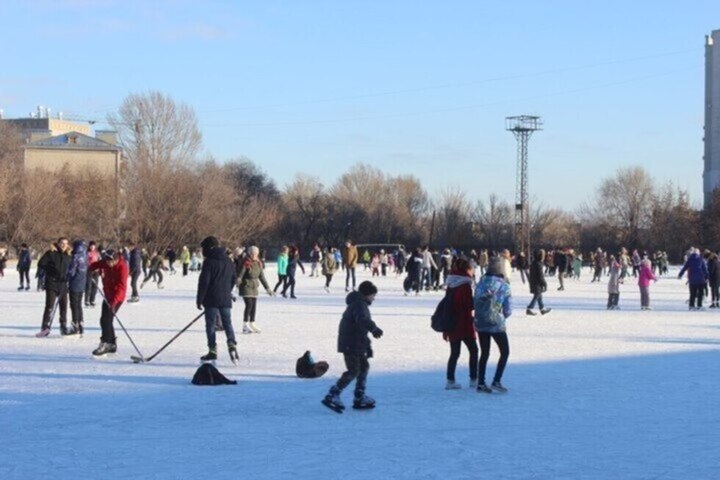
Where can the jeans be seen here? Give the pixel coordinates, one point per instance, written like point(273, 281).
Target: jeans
point(357, 368)
point(714, 292)
point(91, 287)
point(289, 283)
point(472, 347)
point(425, 278)
point(501, 339)
point(537, 297)
point(225, 313)
point(613, 299)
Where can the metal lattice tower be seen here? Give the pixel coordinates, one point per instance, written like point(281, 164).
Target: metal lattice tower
point(522, 127)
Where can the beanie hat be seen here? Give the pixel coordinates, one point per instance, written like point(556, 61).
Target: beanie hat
point(367, 288)
point(496, 266)
point(108, 254)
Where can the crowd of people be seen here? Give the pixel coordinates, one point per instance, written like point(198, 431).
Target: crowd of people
point(477, 285)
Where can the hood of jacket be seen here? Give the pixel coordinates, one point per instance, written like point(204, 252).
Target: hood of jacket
point(455, 280)
point(79, 247)
point(353, 297)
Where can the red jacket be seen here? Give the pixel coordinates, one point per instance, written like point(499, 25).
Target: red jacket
point(460, 284)
point(114, 280)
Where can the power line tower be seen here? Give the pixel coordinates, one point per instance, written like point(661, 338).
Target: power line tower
point(522, 127)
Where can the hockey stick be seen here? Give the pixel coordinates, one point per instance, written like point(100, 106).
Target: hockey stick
point(141, 359)
point(102, 294)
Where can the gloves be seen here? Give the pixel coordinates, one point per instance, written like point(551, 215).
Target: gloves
point(199, 306)
point(377, 333)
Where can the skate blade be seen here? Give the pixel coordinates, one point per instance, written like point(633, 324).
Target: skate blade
point(369, 407)
point(137, 359)
point(104, 356)
point(331, 406)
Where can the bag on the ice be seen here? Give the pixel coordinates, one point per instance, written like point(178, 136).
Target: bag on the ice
point(443, 319)
point(207, 374)
point(488, 310)
point(306, 367)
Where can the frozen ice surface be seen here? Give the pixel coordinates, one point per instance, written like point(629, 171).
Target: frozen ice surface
point(594, 394)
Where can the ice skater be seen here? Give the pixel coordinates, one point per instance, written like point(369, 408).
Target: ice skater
point(354, 344)
point(114, 271)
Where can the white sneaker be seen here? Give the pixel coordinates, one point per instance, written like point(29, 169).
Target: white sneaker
point(254, 328)
point(452, 385)
point(246, 329)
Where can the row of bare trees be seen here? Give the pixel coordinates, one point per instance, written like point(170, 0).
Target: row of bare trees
point(168, 195)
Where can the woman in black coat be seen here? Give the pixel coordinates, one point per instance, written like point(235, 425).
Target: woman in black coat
point(537, 283)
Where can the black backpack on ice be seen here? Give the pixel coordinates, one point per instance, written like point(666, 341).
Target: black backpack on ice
point(443, 319)
point(207, 374)
point(306, 367)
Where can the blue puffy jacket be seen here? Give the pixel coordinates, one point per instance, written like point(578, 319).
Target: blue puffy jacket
point(696, 268)
point(496, 288)
point(24, 260)
point(77, 272)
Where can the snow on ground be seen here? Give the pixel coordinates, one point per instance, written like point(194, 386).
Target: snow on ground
point(593, 394)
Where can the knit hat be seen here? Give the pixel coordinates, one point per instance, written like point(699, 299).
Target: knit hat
point(496, 266)
point(108, 254)
point(367, 288)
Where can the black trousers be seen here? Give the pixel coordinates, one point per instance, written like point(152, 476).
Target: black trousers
point(91, 287)
point(715, 292)
point(328, 279)
point(133, 282)
point(613, 299)
point(51, 296)
point(282, 280)
point(357, 369)
point(501, 339)
point(696, 293)
point(250, 308)
point(106, 323)
point(24, 275)
point(185, 269)
point(289, 283)
point(76, 307)
point(472, 347)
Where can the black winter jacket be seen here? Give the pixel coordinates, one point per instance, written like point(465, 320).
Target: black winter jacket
point(217, 280)
point(355, 325)
point(537, 278)
point(714, 271)
point(56, 265)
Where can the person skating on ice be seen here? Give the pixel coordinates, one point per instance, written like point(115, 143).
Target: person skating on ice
point(214, 294)
point(354, 344)
point(114, 271)
point(55, 264)
point(250, 276)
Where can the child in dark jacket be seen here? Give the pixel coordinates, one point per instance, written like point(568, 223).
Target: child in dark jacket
point(354, 344)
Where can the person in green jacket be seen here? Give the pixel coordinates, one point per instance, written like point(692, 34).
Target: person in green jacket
point(329, 267)
point(185, 260)
point(366, 258)
point(250, 277)
point(282, 264)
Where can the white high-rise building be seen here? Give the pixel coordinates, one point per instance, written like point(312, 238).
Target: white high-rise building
point(711, 172)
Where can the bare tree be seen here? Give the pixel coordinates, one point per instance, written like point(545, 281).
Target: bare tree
point(494, 222)
point(453, 221)
point(623, 203)
point(153, 130)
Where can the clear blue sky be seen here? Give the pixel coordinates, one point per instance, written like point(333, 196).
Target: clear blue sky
point(408, 86)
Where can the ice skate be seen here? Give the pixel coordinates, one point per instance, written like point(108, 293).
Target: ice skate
point(473, 383)
point(211, 356)
point(254, 328)
point(43, 333)
point(545, 311)
point(363, 402)
point(232, 350)
point(104, 348)
point(482, 388)
point(246, 328)
point(333, 402)
point(530, 312)
point(498, 387)
point(452, 385)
